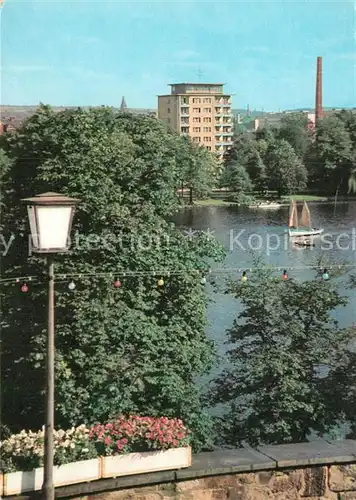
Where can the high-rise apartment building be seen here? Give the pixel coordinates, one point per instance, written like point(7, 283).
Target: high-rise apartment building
point(200, 110)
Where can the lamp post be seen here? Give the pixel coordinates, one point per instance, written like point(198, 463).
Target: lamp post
point(50, 217)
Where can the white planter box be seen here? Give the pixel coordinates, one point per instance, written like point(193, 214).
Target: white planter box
point(19, 482)
point(76, 472)
point(150, 461)
point(16, 483)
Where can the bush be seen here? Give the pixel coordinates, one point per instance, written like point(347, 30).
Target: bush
point(137, 434)
point(241, 198)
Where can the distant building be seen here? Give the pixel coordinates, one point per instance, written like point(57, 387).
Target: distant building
point(274, 119)
point(123, 107)
point(202, 111)
point(7, 124)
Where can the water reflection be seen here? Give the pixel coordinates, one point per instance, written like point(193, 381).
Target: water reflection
point(224, 220)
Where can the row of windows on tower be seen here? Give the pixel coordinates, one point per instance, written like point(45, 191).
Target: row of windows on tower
point(205, 139)
point(197, 119)
point(196, 100)
point(195, 110)
point(204, 100)
point(196, 129)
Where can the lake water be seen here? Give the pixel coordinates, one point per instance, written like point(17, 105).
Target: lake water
point(266, 229)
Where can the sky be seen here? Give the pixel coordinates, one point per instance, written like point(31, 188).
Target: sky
point(93, 52)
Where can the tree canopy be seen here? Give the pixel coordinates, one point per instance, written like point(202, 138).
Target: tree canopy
point(283, 343)
point(200, 169)
point(332, 155)
point(323, 159)
point(244, 168)
point(294, 129)
point(137, 348)
point(286, 173)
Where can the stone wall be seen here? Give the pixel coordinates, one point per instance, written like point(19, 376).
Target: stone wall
point(314, 483)
point(306, 471)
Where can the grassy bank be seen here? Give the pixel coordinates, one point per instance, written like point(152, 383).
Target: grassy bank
point(219, 202)
point(303, 197)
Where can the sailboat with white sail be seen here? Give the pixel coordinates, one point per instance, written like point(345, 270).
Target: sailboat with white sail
point(304, 226)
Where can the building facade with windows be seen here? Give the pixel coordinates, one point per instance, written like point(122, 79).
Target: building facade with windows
point(202, 111)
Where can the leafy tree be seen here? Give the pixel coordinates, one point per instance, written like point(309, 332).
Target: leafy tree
point(349, 119)
point(133, 349)
point(201, 169)
point(285, 171)
point(245, 153)
point(340, 387)
point(331, 157)
point(352, 181)
point(266, 133)
point(294, 129)
point(5, 165)
point(343, 379)
point(236, 178)
point(271, 391)
point(257, 171)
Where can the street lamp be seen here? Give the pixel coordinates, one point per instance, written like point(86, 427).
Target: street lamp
point(50, 216)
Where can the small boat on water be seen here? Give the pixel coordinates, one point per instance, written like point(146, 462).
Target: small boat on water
point(303, 242)
point(265, 205)
point(304, 226)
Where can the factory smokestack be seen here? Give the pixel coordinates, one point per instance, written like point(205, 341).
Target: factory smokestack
point(319, 91)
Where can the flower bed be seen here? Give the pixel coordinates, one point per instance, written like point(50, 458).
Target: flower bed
point(137, 434)
point(126, 445)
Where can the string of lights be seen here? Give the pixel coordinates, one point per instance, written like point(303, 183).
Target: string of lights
point(114, 276)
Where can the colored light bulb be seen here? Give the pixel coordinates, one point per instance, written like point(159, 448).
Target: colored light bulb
point(160, 282)
point(24, 288)
point(117, 283)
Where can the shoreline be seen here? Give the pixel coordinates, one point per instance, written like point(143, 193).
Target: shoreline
point(212, 202)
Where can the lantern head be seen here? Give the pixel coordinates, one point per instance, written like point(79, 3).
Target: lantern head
point(50, 216)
